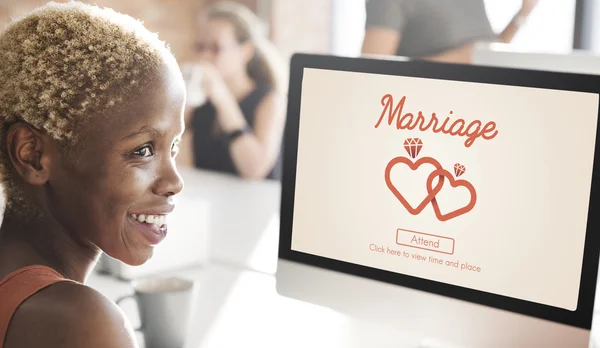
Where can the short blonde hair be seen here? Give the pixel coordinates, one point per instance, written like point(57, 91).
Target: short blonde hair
point(64, 64)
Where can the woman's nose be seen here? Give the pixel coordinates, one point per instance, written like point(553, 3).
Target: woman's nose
point(169, 182)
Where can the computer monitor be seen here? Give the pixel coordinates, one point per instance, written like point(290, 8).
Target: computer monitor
point(455, 202)
point(505, 55)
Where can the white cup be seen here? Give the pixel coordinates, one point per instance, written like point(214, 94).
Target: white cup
point(164, 307)
point(192, 75)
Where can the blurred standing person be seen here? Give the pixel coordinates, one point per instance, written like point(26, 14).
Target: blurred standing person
point(444, 31)
point(239, 128)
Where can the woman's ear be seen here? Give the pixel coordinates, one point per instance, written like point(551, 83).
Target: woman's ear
point(29, 152)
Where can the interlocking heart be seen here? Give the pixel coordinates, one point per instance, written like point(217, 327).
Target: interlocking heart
point(442, 173)
point(413, 147)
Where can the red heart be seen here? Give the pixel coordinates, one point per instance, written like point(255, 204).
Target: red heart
point(414, 166)
point(454, 183)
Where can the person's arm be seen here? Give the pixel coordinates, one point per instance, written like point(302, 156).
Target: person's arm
point(508, 34)
point(68, 315)
point(254, 153)
point(381, 41)
point(464, 53)
point(384, 22)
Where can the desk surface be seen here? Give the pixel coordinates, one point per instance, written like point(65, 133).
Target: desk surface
point(241, 308)
point(235, 307)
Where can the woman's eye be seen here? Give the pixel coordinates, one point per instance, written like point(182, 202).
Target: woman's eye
point(145, 151)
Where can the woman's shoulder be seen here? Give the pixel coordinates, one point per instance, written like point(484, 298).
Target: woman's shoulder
point(68, 314)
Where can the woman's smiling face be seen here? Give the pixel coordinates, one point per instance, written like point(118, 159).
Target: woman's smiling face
point(115, 190)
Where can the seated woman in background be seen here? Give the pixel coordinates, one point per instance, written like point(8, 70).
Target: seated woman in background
point(91, 112)
point(240, 129)
point(443, 31)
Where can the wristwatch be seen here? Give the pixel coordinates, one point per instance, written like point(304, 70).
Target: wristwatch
point(237, 133)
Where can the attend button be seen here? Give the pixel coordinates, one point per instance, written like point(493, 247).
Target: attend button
point(425, 241)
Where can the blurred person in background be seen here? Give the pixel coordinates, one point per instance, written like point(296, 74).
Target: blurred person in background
point(237, 127)
point(443, 31)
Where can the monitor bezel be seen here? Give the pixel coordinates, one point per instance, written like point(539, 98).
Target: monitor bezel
point(581, 317)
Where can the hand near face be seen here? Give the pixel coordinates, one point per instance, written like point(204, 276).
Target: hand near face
point(213, 83)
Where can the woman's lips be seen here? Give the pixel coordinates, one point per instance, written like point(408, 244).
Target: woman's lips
point(152, 227)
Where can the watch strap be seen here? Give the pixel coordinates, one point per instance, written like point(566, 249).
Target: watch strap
point(237, 133)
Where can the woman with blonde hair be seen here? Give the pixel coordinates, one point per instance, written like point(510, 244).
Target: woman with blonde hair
point(239, 129)
point(91, 113)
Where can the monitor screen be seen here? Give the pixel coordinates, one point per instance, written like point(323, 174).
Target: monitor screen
point(475, 186)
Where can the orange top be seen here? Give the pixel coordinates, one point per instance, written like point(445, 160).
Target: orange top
point(18, 286)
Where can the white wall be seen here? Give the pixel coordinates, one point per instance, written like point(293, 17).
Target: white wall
point(348, 27)
point(549, 27)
